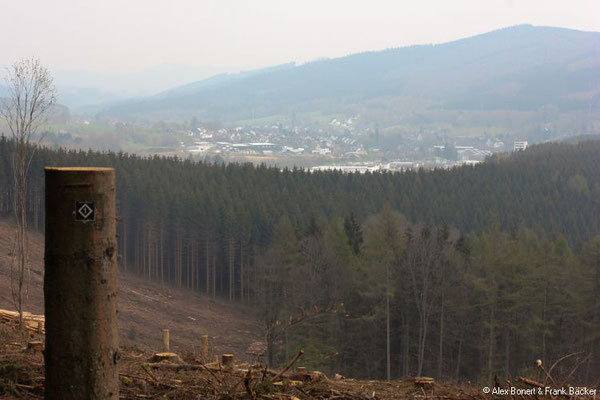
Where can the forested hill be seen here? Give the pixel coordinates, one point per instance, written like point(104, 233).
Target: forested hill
point(553, 188)
point(460, 306)
point(518, 68)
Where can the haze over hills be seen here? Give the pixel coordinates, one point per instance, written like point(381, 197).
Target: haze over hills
point(520, 68)
point(80, 88)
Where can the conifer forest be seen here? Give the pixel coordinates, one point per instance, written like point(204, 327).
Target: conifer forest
point(462, 273)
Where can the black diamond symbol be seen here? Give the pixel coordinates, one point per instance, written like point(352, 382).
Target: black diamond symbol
point(84, 211)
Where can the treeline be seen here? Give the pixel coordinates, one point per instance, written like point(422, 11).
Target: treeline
point(218, 229)
point(390, 298)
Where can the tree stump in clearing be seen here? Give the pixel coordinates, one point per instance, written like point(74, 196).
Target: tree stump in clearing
point(204, 347)
point(227, 361)
point(166, 340)
point(301, 374)
point(166, 356)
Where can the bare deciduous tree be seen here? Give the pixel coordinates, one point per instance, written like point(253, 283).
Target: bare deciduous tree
point(31, 95)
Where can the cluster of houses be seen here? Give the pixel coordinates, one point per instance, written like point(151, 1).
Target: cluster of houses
point(270, 139)
point(341, 144)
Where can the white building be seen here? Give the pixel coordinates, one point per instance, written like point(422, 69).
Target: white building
point(520, 145)
point(321, 151)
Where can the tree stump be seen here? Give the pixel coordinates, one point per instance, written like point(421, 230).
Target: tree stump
point(204, 347)
point(166, 340)
point(227, 361)
point(166, 356)
point(80, 284)
point(301, 374)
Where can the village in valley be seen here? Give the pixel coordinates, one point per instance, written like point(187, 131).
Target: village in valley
point(343, 144)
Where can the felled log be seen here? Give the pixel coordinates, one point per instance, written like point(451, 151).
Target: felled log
point(30, 321)
point(530, 382)
point(176, 367)
point(193, 367)
point(423, 381)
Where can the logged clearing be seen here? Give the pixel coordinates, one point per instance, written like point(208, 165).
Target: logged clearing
point(145, 309)
point(22, 377)
point(193, 377)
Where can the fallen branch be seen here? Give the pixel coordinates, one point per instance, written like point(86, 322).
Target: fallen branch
point(531, 382)
point(560, 359)
point(548, 376)
point(290, 364)
point(576, 367)
point(149, 374)
point(212, 373)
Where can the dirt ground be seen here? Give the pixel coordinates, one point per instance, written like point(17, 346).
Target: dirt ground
point(146, 308)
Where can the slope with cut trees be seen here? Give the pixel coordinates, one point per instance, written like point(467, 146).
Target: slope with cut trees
point(145, 308)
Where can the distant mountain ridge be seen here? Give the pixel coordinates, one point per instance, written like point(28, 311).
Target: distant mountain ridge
point(519, 68)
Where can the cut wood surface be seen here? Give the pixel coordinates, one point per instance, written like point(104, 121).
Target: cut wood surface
point(31, 320)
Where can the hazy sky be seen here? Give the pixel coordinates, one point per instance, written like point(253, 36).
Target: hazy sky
point(130, 35)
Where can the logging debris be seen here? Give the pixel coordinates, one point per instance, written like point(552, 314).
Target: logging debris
point(22, 377)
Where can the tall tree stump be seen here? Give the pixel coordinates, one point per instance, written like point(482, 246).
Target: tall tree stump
point(80, 285)
point(204, 347)
point(166, 340)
